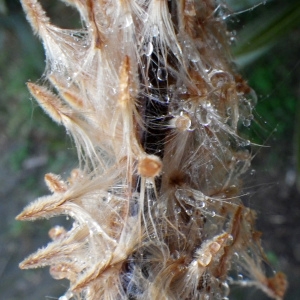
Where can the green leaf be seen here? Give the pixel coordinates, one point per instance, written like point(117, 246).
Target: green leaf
point(3, 8)
point(266, 31)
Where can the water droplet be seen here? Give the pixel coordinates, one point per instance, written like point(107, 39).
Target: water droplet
point(193, 56)
point(229, 240)
point(67, 296)
point(225, 289)
point(150, 202)
point(189, 212)
point(180, 195)
point(204, 259)
point(229, 111)
point(144, 16)
point(109, 197)
point(247, 122)
point(177, 210)
point(182, 122)
point(182, 89)
point(162, 74)
point(155, 30)
point(126, 20)
point(152, 236)
point(175, 255)
point(167, 98)
point(202, 116)
point(201, 204)
point(148, 49)
point(240, 277)
point(207, 68)
point(235, 255)
point(214, 247)
point(218, 78)
point(232, 40)
point(251, 98)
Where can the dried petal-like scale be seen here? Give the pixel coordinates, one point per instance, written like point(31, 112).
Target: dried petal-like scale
point(147, 91)
point(55, 184)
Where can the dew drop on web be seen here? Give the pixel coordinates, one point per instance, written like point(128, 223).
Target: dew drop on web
point(247, 122)
point(177, 210)
point(162, 74)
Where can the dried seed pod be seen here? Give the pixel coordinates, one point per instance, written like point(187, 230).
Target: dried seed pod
point(147, 91)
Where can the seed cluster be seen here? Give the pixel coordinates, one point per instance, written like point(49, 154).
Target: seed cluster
point(147, 92)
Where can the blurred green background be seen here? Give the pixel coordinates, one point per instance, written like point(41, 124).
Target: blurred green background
point(266, 49)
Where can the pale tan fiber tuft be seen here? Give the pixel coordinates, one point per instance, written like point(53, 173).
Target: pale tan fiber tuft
point(48, 101)
point(55, 184)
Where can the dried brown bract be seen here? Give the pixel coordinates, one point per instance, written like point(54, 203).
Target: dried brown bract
point(147, 91)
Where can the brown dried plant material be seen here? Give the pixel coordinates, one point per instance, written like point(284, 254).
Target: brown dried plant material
point(149, 166)
point(55, 184)
point(147, 91)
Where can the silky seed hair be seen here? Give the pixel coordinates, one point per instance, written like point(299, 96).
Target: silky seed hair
point(147, 91)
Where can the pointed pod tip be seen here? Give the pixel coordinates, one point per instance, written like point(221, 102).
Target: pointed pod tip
point(26, 215)
point(28, 263)
point(50, 102)
point(20, 217)
point(22, 266)
point(25, 264)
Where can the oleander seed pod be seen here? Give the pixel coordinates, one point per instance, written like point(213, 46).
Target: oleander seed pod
point(147, 91)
